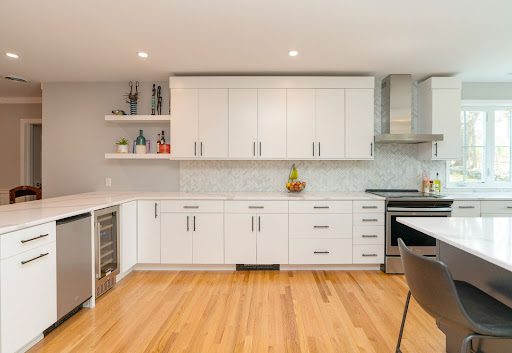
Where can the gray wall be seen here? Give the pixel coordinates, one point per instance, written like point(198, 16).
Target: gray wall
point(487, 90)
point(10, 116)
point(76, 138)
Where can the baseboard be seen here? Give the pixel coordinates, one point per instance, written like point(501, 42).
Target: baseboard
point(30, 344)
point(169, 267)
point(125, 273)
point(331, 267)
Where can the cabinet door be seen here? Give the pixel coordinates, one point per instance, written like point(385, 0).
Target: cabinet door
point(300, 121)
point(272, 242)
point(148, 232)
point(29, 296)
point(272, 123)
point(446, 121)
point(177, 232)
point(330, 123)
point(184, 122)
point(128, 235)
point(208, 240)
point(213, 123)
point(359, 117)
point(243, 123)
point(240, 238)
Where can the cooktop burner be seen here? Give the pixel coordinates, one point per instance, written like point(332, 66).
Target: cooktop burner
point(400, 194)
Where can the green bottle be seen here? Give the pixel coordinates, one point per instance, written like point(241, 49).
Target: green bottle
point(140, 144)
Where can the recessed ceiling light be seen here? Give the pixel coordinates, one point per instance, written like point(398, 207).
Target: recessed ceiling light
point(142, 55)
point(11, 55)
point(293, 53)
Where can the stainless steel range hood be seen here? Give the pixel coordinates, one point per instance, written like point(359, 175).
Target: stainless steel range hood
point(396, 123)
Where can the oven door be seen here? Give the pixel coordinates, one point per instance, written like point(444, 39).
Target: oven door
point(416, 241)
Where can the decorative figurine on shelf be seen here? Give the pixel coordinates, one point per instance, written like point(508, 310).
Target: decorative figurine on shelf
point(140, 144)
point(118, 112)
point(132, 97)
point(159, 99)
point(153, 100)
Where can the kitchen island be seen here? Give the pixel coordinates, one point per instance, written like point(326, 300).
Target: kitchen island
point(478, 251)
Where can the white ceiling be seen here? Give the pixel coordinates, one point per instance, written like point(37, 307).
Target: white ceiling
point(97, 40)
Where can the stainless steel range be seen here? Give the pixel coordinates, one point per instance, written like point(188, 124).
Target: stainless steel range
point(409, 203)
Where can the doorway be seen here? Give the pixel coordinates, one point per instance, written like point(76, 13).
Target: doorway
point(31, 152)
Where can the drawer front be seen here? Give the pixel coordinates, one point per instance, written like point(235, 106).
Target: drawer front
point(320, 251)
point(320, 206)
point(191, 206)
point(256, 206)
point(29, 296)
point(368, 219)
point(368, 254)
point(26, 239)
point(318, 226)
point(368, 206)
point(496, 207)
point(368, 235)
point(466, 209)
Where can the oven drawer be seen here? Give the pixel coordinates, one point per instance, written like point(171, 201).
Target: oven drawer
point(320, 226)
point(320, 251)
point(320, 206)
point(368, 206)
point(368, 254)
point(466, 209)
point(368, 219)
point(366, 235)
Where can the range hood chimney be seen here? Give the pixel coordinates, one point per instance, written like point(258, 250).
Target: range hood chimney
point(396, 117)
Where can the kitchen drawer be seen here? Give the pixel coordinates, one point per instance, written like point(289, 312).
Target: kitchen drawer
point(191, 206)
point(368, 254)
point(496, 207)
point(320, 251)
point(256, 206)
point(26, 239)
point(364, 235)
point(320, 206)
point(368, 206)
point(466, 208)
point(320, 226)
point(368, 219)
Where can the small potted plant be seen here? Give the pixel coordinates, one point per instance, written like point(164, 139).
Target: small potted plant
point(122, 145)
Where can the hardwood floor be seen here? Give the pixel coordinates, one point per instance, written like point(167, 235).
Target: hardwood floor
point(287, 311)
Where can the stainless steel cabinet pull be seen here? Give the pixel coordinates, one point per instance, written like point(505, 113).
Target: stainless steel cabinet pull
point(201, 148)
point(156, 210)
point(370, 206)
point(256, 206)
point(320, 206)
point(371, 149)
point(260, 149)
point(369, 236)
point(187, 224)
point(259, 224)
point(370, 219)
point(98, 240)
point(369, 254)
point(39, 237)
point(194, 223)
point(320, 226)
point(35, 258)
point(509, 206)
point(320, 252)
point(313, 149)
point(195, 148)
point(471, 207)
point(254, 149)
point(190, 206)
point(319, 151)
point(436, 150)
point(252, 227)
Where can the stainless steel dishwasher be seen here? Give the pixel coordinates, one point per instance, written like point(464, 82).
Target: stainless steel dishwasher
point(74, 263)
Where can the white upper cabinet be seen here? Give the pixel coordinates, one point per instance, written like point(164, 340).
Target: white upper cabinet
point(184, 122)
point(243, 123)
point(213, 123)
point(330, 123)
point(300, 109)
point(359, 117)
point(272, 123)
point(439, 111)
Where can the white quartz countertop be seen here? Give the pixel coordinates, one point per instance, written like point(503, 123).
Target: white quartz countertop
point(487, 238)
point(480, 196)
point(28, 214)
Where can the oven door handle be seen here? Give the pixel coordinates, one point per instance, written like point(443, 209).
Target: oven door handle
point(426, 209)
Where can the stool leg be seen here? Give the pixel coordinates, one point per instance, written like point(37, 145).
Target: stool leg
point(403, 323)
point(466, 343)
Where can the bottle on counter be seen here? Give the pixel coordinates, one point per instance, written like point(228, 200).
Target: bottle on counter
point(437, 184)
point(140, 144)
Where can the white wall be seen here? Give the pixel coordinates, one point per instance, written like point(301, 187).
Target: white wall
point(76, 138)
point(10, 116)
point(487, 90)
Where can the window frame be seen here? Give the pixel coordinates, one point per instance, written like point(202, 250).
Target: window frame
point(489, 107)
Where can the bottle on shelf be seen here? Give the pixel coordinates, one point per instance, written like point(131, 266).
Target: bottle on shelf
point(140, 147)
point(158, 144)
point(162, 139)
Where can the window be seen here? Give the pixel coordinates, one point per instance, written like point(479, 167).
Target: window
point(486, 148)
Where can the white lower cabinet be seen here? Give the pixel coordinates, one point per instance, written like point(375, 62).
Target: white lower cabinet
point(272, 239)
point(192, 238)
point(148, 232)
point(28, 295)
point(465, 208)
point(239, 239)
point(320, 251)
point(128, 235)
point(368, 254)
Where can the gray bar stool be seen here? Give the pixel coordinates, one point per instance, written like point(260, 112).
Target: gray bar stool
point(454, 303)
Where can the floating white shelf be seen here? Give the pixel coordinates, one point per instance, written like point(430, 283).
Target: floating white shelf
point(137, 156)
point(138, 119)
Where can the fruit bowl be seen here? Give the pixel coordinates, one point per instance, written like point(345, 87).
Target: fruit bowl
point(295, 186)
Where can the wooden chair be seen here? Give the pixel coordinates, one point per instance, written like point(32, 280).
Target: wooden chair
point(24, 191)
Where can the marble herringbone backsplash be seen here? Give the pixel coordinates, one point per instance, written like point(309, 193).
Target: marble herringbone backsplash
point(395, 166)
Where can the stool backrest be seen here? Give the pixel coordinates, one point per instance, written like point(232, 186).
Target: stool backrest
point(432, 286)
point(24, 191)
